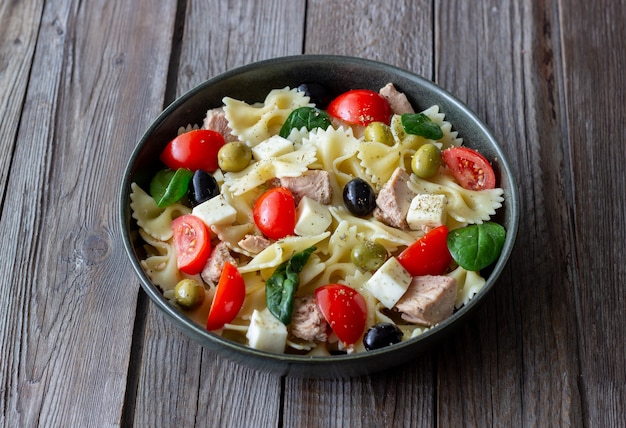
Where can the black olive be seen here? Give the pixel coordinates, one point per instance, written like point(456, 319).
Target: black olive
point(203, 187)
point(381, 335)
point(359, 197)
point(319, 94)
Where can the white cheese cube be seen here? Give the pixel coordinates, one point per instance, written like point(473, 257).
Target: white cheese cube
point(427, 211)
point(271, 148)
point(313, 217)
point(389, 283)
point(266, 332)
point(215, 211)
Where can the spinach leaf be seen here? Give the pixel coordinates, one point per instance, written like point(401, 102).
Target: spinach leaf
point(309, 117)
point(168, 186)
point(422, 125)
point(281, 287)
point(477, 246)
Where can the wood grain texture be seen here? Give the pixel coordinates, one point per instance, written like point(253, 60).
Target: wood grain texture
point(67, 316)
point(397, 33)
point(210, 391)
point(81, 345)
point(512, 52)
point(18, 32)
point(595, 86)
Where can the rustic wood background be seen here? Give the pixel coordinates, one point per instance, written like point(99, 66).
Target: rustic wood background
point(80, 343)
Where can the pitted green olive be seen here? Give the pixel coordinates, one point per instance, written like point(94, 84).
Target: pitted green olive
point(234, 156)
point(368, 255)
point(379, 132)
point(426, 161)
point(189, 293)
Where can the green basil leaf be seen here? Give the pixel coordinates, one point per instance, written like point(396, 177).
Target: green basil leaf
point(281, 287)
point(422, 125)
point(477, 246)
point(308, 117)
point(169, 186)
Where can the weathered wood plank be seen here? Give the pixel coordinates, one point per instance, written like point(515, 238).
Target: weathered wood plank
point(516, 363)
point(594, 53)
point(205, 389)
point(19, 22)
point(69, 295)
point(401, 34)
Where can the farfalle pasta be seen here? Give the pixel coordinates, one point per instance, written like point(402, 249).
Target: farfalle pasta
point(343, 153)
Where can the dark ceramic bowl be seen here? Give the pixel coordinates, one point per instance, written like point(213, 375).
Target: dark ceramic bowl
point(252, 83)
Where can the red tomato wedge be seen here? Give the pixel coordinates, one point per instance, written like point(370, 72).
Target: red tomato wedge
point(344, 309)
point(469, 168)
point(228, 299)
point(194, 150)
point(191, 242)
point(429, 255)
point(275, 213)
point(360, 107)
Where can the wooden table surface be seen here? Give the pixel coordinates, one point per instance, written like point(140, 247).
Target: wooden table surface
point(82, 345)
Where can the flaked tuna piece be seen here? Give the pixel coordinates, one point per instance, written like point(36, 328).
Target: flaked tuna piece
point(254, 244)
point(428, 300)
point(307, 321)
point(314, 183)
point(394, 199)
point(216, 120)
point(213, 268)
point(397, 100)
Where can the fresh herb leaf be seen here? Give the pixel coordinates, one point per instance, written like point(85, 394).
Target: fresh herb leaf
point(308, 117)
point(168, 186)
point(422, 125)
point(477, 246)
point(281, 287)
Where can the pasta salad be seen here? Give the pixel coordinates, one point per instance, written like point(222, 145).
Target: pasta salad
point(298, 225)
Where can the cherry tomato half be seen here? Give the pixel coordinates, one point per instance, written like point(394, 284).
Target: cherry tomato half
point(470, 168)
point(275, 213)
point(192, 243)
point(228, 299)
point(360, 107)
point(344, 309)
point(194, 150)
point(429, 255)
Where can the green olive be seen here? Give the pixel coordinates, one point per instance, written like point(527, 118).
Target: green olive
point(234, 156)
point(368, 255)
point(189, 293)
point(426, 161)
point(380, 132)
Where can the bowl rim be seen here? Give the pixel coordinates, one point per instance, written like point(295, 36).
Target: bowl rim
point(290, 363)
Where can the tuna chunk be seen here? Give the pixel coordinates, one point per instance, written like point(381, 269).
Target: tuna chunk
point(307, 322)
point(213, 268)
point(216, 120)
point(397, 100)
point(314, 183)
point(428, 300)
point(394, 200)
point(254, 244)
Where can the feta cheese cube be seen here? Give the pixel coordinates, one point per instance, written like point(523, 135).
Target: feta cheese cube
point(427, 211)
point(313, 217)
point(389, 283)
point(266, 332)
point(271, 148)
point(215, 211)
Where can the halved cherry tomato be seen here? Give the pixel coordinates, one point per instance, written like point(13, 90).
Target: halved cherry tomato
point(194, 150)
point(344, 309)
point(275, 213)
point(470, 168)
point(192, 243)
point(429, 255)
point(360, 107)
point(228, 299)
